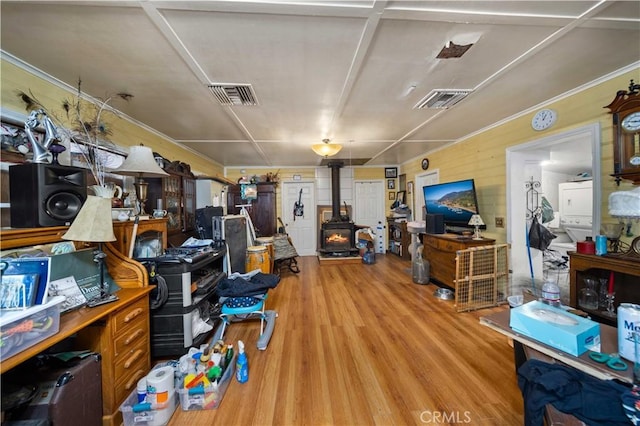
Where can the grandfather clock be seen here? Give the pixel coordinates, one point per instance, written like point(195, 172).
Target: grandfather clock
point(626, 134)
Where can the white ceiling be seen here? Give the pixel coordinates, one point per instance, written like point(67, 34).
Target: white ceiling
point(324, 69)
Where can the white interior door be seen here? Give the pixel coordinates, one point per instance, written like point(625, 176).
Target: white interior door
point(301, 229)
point(368, 209)
point(425, 179)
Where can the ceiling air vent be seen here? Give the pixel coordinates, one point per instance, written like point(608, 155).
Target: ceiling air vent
point(233, 94)
point(442, 98)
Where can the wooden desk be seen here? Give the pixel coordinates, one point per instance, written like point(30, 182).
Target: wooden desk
point(608, 342)
point(119, 331)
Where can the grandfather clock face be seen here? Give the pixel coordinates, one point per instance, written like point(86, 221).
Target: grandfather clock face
point(630, 125)
point(625, 109)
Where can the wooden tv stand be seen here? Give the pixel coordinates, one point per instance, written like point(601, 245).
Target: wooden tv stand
point(440, 250)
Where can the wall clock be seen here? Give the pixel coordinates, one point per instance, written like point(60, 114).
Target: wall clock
point(425, 163)
point(625, 109)
point(544, 119)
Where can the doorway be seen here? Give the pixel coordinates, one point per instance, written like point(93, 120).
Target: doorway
point(424, 179)
point(538, 161)
point(369, 207)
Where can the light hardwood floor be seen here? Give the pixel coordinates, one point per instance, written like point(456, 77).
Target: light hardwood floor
point(363, 345)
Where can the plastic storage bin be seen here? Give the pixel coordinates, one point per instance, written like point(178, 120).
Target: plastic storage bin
point(23, 329)
point(145, 415)
point(209, 397)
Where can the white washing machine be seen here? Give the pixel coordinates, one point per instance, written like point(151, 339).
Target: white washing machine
point(576, 214)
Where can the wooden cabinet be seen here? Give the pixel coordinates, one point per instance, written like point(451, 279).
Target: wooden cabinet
point(262, 210)
point(399, 238)
point(123, 340)
point(153, 228)
point(119, 331)
point(177, 193)
point(626, 278)
point(440, 250)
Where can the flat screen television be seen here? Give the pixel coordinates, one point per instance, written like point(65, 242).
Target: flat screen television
point(457, 201)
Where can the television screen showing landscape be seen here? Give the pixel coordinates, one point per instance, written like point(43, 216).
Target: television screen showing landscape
point(455, 200)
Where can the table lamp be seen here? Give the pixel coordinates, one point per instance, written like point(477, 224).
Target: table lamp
point(93, 224)
point(476, 221)
point(140, 163)
point(625, 206)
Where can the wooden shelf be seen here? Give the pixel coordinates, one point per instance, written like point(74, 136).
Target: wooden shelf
point(626, 274)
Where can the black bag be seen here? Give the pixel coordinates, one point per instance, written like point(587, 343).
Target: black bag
point(539, 236)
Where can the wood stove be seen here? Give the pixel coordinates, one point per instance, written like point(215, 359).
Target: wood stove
point(337, 235)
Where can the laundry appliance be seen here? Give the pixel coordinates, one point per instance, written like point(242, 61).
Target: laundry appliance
point(575, 213)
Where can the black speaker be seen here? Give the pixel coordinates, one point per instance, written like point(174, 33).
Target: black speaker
point(434, 223)
point(45, 194)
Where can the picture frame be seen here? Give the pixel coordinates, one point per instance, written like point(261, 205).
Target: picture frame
point(391, 172)
point(401, 197)
point(391, 184)
point(410, 187)
point(392, 196)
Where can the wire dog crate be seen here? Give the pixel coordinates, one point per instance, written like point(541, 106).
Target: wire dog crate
point(482, 277)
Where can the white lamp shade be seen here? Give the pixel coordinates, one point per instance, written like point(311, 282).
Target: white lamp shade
point(141, 163)
point(326, 149)
point(476, 220)
point(93, 223)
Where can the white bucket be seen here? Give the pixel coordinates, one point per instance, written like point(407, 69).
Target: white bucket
point(628, 324)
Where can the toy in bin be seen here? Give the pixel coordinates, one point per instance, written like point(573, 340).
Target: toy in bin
point(209, 374)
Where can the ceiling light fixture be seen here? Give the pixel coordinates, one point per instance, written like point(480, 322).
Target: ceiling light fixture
point(326, 149)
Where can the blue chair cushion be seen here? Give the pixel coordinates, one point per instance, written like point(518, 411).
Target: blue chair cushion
point(242, 305)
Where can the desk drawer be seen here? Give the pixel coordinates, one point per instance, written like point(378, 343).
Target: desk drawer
point(132, 336)
point(128, 361)
point(127, 379)
point(138, 311)
point(445, 245)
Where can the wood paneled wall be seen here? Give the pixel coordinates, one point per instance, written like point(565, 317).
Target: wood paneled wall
point(483, 156)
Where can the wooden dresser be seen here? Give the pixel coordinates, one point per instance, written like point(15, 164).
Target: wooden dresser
point(440, 250)
point(119, 331)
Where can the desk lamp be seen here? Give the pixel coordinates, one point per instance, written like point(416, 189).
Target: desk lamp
point(94, 225)
point(476, 221)
point(140, 163)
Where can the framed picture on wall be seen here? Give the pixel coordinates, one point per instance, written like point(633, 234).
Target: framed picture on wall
point(391, 172)
point(391, 184)
point(410, 187)
point(392, 196)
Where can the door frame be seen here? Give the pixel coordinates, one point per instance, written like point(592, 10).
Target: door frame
point(524, 157)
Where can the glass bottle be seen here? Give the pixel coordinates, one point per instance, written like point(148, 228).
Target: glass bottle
point(602, 293)
point(588, 296)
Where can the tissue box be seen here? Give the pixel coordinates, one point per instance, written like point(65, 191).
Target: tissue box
point(556, 327)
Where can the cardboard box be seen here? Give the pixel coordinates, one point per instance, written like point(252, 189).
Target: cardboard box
point(556, 327)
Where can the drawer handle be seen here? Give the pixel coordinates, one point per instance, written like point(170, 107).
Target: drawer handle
point(134, 380)
point(133, 358)
point(134, 336)
point(133, 315)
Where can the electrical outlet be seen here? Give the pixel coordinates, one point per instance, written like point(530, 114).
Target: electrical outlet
point(499, 222)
